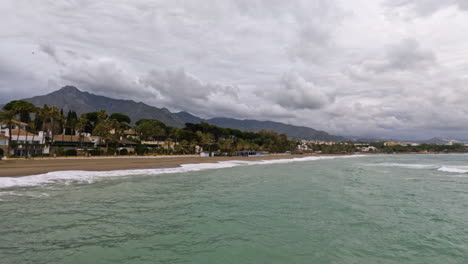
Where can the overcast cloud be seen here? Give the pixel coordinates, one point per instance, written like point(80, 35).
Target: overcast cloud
point(380, 68)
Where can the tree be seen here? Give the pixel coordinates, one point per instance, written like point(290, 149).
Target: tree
point(149, 129)
point(50, 117)
point(121, 123)
point(7, 119)
point(81, 126)
point(24, 110)
point(103, 130)
point(32, 128)
point(121, 118)
point(21, 108)
point(71, 123)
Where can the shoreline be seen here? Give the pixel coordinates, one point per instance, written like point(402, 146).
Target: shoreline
point(22, 167)
point(36, 166)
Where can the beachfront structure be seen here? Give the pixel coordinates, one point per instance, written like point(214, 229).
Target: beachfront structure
point(125, 144)
point(162, 144)
point(368, 149)
point(3, 144)
point(251, 153)
point(19, 125)
point(23, 143)
point(72, 141)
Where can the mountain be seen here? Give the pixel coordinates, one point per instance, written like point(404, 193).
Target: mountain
point(189, 118)
point(70, 98)
point(298, 132)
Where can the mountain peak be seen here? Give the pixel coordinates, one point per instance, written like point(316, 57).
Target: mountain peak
point(69, 89)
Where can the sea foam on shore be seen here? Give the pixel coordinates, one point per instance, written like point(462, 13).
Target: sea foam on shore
point(68, 177)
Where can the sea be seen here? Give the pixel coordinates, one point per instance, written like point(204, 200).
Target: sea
point(357, 209)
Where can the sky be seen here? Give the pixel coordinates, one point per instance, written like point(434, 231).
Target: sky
point(367, 68)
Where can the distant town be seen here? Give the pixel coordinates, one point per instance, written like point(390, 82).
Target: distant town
point(29, 131)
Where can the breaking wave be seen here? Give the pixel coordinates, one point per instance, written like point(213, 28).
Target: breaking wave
point(454, 169)
point(443, 168)
point(70, 177)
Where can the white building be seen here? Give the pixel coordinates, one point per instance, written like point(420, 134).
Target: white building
point(22, 142)
point(368, 149)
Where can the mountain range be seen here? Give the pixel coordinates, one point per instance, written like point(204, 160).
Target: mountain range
point(71, 98)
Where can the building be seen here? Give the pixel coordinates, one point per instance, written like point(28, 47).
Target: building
point(23, 143)
point(162, 144)
point(3, 144)
point(72, 141)
point(126, 144)
point(251, 153)
point(130, 133)
point(369, 149)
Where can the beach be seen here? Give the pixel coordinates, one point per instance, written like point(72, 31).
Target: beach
point(22, 167)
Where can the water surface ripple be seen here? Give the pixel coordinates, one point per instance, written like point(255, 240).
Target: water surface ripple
point(379, 209)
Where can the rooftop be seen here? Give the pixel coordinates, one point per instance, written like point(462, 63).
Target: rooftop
point(21, 132)
point(70, 138)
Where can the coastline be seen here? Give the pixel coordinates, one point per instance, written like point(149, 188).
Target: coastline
point(21, 167)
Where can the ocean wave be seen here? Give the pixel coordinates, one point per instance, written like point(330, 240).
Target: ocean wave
point(407, 165)
point(442, 168)
point(70, 177)
point(454, 169)
point(27, 194)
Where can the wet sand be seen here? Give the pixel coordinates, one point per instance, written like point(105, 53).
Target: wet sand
point(15, 168)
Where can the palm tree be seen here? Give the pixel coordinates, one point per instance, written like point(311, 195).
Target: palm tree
point(31, 125)
point(7, 119)
point(55, 117)
point(32, 128)
point(81, 125)
point(49, 116)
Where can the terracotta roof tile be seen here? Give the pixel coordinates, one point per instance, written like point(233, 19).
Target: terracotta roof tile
point(22, 132)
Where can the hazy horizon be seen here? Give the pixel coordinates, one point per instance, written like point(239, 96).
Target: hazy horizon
point(381, 69)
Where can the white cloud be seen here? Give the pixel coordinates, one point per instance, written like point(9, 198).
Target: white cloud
point(393, 68)
point(427, 7)
point(295, 92)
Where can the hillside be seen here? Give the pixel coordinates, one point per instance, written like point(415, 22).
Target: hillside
point(70, 98)
point(292, 131)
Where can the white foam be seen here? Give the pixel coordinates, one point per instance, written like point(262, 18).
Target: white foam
point(70, 177)
point(408, 166)
point(443, 168)
point(454, 169)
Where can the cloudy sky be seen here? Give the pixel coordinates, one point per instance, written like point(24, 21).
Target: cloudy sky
point(381, 68)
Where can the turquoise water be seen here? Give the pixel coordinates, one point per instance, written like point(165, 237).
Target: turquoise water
point(379, 209)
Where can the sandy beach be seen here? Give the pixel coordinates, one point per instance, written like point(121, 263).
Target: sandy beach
point(18, 167)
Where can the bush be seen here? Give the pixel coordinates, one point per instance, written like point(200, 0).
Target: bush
point(70, 152)
point(141, 150)
point(1, 153)
point(95, 152)
point(60, 151)
point(123, 152)
point(111, 151)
